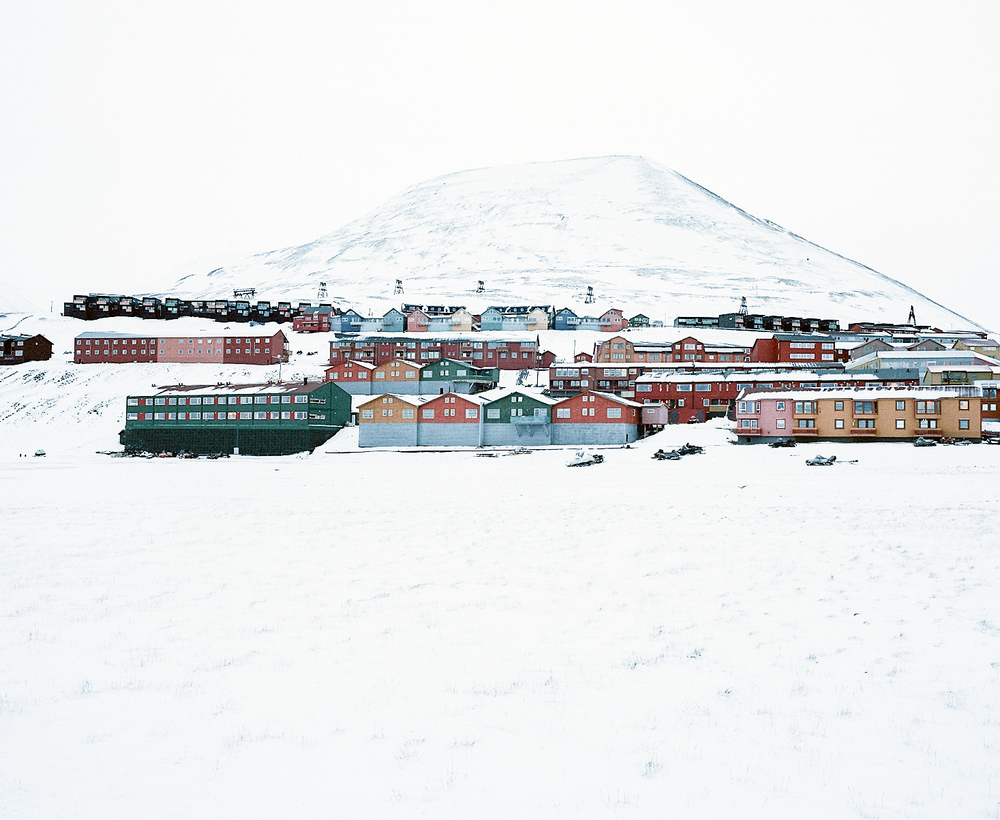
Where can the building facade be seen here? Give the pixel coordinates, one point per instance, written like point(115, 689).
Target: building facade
point(858, 415)
point(275, 418)
point(96, 347)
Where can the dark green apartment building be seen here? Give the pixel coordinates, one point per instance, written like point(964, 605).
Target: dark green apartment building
point(274, 418)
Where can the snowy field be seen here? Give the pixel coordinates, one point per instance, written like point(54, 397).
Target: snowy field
point(367, 634)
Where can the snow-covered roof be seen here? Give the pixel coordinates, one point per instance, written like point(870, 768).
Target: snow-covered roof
point(406, 399)
point(762, 375)
point(867, 393)
point(220, 389)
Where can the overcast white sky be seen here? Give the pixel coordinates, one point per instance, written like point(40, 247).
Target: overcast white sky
point(138, 136)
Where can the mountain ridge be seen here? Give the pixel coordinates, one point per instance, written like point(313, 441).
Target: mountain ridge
point(645, 237)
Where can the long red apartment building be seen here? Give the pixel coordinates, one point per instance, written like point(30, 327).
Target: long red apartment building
point(501, 352)
point(101, 347)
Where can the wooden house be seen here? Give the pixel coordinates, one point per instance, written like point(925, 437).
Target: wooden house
point(393, 321)
point(354, 377)
point(17, 348)
point(517, 418)
point(389, 421)
point(450, 420)
point(595, 418)
point(396, 376)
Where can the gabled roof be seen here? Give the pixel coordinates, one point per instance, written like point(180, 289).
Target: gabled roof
point(412, 400)
point(500, 393)
point(355, 363)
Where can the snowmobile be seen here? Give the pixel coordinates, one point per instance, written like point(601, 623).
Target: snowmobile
point(584, 459)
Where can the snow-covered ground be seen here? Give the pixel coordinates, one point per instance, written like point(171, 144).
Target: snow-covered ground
point(371, 634)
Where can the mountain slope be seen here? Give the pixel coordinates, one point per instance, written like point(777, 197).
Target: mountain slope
point(644, 237)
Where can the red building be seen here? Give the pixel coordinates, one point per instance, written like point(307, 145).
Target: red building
point(314, 320)
point(97, 347)
point(480, 349)
point(350, 372)
point(691, 397)
point(595, 418)
point(688, 349)
point(793, 348)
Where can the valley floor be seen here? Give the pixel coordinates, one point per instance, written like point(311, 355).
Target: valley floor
point(367, 634)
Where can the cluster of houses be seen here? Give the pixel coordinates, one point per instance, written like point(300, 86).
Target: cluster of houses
point(458, 319)
point(20, 348)
point(105, 305)
point(497, 418)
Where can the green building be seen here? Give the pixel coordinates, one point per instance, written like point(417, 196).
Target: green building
point(517, 418)
point(275, 418)
point(450, 376)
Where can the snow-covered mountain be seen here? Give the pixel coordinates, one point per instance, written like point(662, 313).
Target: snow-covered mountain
point(644, 237)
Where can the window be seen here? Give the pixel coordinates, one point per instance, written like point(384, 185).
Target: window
point(866, 424)
point(963, 404)
point(838, 405)
point(928, 407)
point(493, 413)
point(301, 414)
point(900, 405)
point(806, 407)
point(702, 388)
point(928, 424)
point(644, 388)
point(614, 412)
point(900, 423)
point(427, 413)
point(779, 405)
point(838, 424)
point(562, 413)
point(779, 423)
point(963, 424)
point(471, 413)
point(133, 402)
point(805, 424)
point(407, 412)
point(865, 408)
point(683, 388)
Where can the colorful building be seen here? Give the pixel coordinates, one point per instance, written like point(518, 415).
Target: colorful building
point(451, 420)
point(479, 349)
point(97, 347)
point(389, 421)
point(858, 415)
point(517, 419)
point(275, 418)
point(595, 418)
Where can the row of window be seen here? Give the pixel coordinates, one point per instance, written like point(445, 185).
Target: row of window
point(127, 342)
point(861, 408)
point(191, 352)
point(859, 424)
point(199, 400)
point(491, 413)
point(260, 416)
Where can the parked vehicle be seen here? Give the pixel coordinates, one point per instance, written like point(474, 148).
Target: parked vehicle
point(585, 459)
point(925, 442)
point(821, 461)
